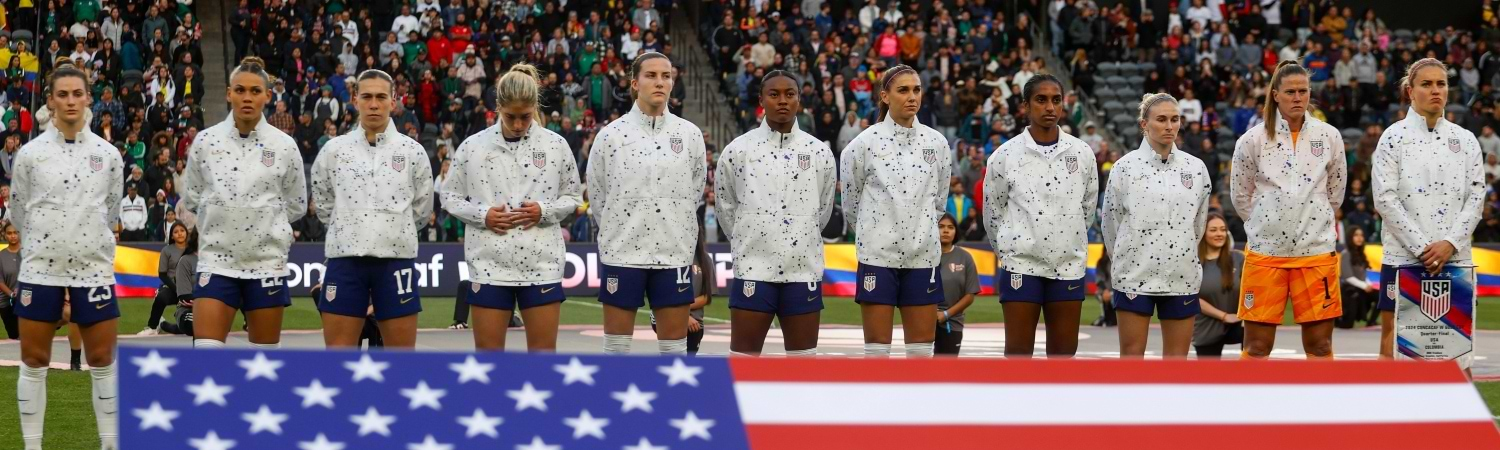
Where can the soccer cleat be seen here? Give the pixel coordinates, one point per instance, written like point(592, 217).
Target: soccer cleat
point(149, 331)
point(459, 326)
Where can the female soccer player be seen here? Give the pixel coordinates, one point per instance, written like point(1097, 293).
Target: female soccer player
point(646, 179)
point(1288, 179)
point(960, 284)
point(1154, 211)
point(65, 187)
point(774, 192)
point(244, 182)
point(895, 177)
point(513, 183)
point(373, 187)
point(1041, 191)
point(1428, 185)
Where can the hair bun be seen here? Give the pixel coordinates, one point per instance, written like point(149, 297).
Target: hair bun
point(249, 60)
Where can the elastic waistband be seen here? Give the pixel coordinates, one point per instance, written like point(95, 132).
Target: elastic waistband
point(1291, 262)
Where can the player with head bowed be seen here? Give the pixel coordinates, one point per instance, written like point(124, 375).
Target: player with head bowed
point(244, 180)
point(64, 190)
point(646, 178)
point(373, 187)
point(1041, 191)
point(1155, 208)
point(895, 177)
point(513, 183)
point(774, 188)
point(1428, 185)
point(1288, 179)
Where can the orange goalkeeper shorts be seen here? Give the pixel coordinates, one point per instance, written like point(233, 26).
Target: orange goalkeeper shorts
point(1310, 282)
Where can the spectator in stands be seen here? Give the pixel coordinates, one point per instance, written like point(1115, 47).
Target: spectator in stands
point(133, 215)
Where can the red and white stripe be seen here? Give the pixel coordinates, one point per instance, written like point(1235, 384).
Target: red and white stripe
point(1116, 404)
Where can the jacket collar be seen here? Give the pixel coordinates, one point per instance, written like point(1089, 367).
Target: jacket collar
point(1034, 146)
point(380, 139)
point(261, 126)
point(1284, 128)
point(1420, 123)
point(649, 123)
point(1172, 156)
point(776, 137)
point(897, 129)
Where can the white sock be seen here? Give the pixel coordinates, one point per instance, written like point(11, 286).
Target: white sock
point(265, 346)
point(106, 405)
point(207, 343)
point(31, 397)
point(617, 344)
point(874, 350)
point(919, 350)
point(743, 354)
point(806, 352)
point(672, 346)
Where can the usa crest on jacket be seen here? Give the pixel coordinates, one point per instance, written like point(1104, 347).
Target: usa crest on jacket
point(246, 192)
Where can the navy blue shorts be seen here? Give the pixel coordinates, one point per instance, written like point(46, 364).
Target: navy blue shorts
point(509, 297)
point(784, 299)
point(898, 287)
point(1172, 307)
point(1388, 289)
point(43, 303)
point(1016, 287)
point(244, 294)
point(352, 284)
point(628, 288)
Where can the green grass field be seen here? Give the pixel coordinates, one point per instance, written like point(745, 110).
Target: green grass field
point(68, 392)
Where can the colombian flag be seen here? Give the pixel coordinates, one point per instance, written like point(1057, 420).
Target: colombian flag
point(135, 272)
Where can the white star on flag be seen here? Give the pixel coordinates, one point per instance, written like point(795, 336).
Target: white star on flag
point(154, 364)
point(645, 444)
point(260, 367)
point(211, 441)
point(209, 392)
point(321, 443)
point(264, 420)
point(155, 417)
point(538, 444)
point(472, 369)
point(367, 368)
point(692, 426)
point(680, 373)
point(633, 398)
point(586, 425)
point(576, 371)
point(315, 394)
point(424, 396)
point(529, 397)
point(479, 424)
point(429, 443)
point(372, 422)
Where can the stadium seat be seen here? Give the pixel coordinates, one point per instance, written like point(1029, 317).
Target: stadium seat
point(1108, 69)
point(1103, 94)
point(1353, 133)
point(1132, 107)
point(21, 35)
point(1136, 81)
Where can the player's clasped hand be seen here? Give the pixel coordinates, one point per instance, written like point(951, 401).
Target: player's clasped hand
point(1436, 254)
point(527, 216)
point(499, 219)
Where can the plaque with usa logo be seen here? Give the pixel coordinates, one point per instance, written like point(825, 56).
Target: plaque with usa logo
point(1435, 314)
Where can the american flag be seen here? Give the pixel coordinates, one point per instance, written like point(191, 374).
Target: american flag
point(240, 399)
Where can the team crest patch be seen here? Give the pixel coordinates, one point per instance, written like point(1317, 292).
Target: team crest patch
point(1130, 296)
point(26, 297)
point(1317, 148)
point(330, 292)
point(612, 285)
point(96, 163)
point(1015, 280)
point(1187, 180)
point(1249, 300)
point(398, 162)
point(539, 159)
point(1072, 161)
point(1435, 296)
point(749, 289)
point(268, 157)
point(203, 279)
point(804, 161)
point(1393, 290)
point(676, 145)
point(929, 155)
point(869, 283)
point(1453, 144)
point(474, 287)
